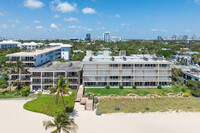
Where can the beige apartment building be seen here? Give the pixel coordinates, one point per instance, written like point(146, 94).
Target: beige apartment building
point(46, 76)
point(139, 70)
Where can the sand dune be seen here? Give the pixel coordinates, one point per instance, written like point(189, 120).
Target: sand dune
point(14, 119)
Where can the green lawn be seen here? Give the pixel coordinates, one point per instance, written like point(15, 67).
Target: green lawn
point(138, 91)
point(13, 94)
point(107, 105)
point(46, 104)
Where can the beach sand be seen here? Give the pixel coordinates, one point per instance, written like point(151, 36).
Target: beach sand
point(14, 119)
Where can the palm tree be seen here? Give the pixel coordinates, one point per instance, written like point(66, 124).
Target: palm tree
point(19, 67)
point(62, 88)
point(61, 121)
point(11, 66)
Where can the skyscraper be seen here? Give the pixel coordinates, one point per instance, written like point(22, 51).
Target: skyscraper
point(88, 37)
point(194, 37)
point(185, 37)
point(107, 37)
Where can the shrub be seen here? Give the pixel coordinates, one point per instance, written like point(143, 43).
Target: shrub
point(134, 108)
point(4, 92)
point(70, 102)
point(39, 94)
point(134, 87)
point(146, 108)
point(159, 87)
point(121, 87)
point(25, 91)
point(107, 87)
point(53, 90)
point(95, 100)
point(3, 86)
point(117, 108)
point(98, 111)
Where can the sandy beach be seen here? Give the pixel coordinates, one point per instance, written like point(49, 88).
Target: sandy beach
point(14, 119)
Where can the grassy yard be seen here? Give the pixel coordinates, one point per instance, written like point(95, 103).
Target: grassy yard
point(13, 94)
point(108, 105)
point(138, 91)
point(46, 104)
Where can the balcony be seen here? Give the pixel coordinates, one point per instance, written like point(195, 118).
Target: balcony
point(36, 76)
point(31, 60)
point(127, 67)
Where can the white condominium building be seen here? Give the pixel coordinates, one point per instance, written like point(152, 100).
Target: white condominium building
point(139, 70)
point(9, 44)
point(31, 45)
point(35, 58)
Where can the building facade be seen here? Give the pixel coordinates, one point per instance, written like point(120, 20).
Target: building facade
point(31, 45)
point(107, 37)
point(139, 70)
point(46, 76)
point(9, 44)
point(34, 58)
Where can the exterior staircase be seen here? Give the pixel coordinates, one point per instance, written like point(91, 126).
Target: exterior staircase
point(84, 100)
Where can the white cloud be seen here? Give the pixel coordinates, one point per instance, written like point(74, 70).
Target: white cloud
point(154, 29)
point(56, 16)
point(71, 19)
point(13, 25)
point(33, 4)
point(188, 30)
point(54, 26)
point(117, 16)
point(98, 22)
point(88, 10)
point(89, 29)
point(162, 30)
point(39, 27)
point(36, 21)
point(2, 14)
point(125, 24)
point(197, 2)
point(77, 27)
point(4, 26)
point(26, 27)
point(63, 7)
point(14, 21)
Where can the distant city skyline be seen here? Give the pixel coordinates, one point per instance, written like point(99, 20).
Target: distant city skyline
point(130, 19)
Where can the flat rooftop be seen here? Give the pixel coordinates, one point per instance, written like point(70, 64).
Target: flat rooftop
point(57, 66)
point(190, 70)
point(124, 59)
point(35, 52)
point(193, 73)
point(10, 42)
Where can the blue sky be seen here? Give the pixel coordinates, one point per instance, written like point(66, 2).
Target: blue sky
point(130, 19)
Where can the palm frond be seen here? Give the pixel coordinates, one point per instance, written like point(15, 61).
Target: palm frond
point(48, 124)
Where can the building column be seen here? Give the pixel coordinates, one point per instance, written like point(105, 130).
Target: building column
point(41, 81)
point(53, 79)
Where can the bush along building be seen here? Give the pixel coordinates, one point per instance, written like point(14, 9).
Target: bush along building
point(35, 58)
point(139, 70)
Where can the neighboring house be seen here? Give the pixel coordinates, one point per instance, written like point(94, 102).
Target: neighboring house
point(9, 44)
point(182, 58)
point(31, 45)
point(46, 76)
point(139, 70)
point(189, 72)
